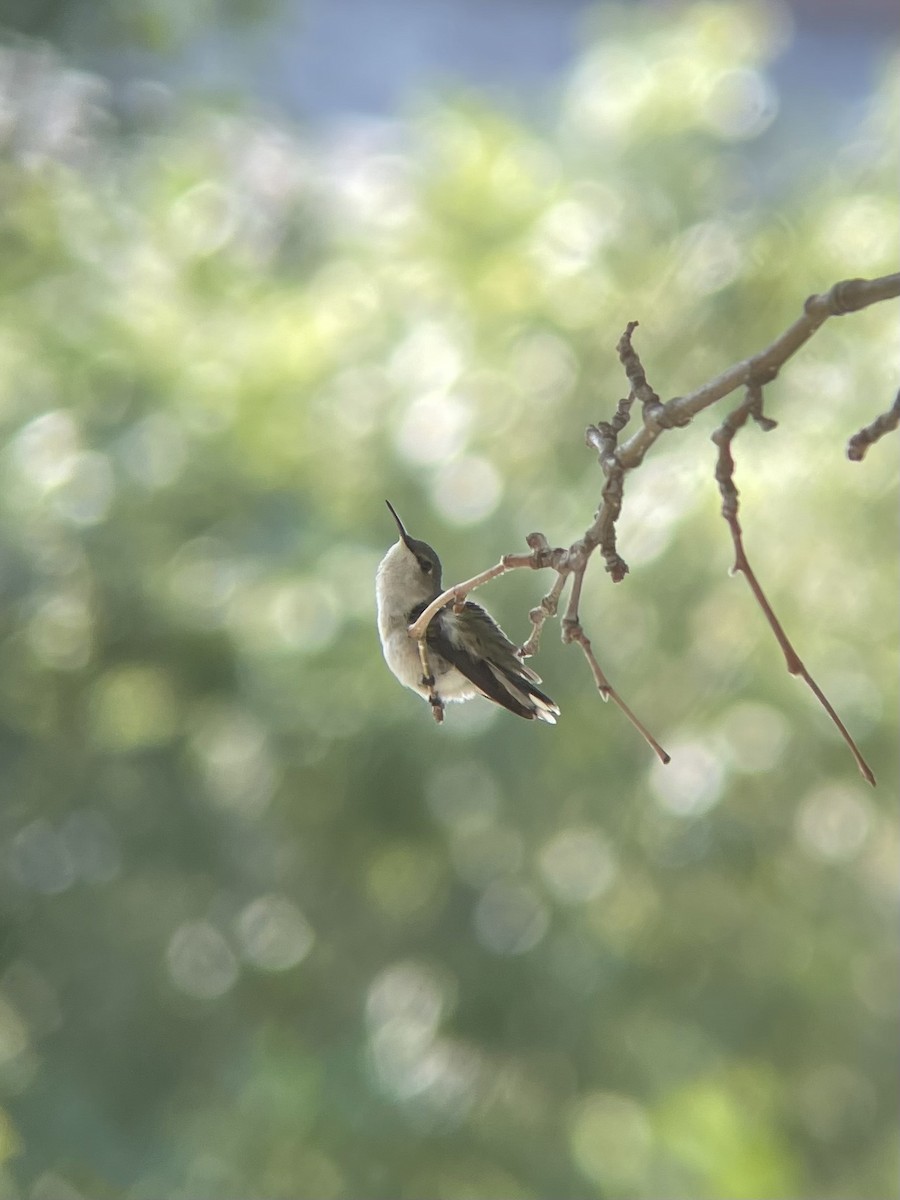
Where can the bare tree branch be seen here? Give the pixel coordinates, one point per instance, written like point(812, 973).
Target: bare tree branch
point(723, 437)
point(849, 295)
point(573, 632)
point(886, 423)
point(548, 607)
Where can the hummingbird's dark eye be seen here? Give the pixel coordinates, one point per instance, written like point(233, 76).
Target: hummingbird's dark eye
point(425, 565)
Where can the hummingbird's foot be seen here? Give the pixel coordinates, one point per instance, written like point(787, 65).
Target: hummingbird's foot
point(437, 704)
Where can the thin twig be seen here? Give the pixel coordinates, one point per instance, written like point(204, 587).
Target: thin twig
point(574, 632)
point(653, 409)
point(603, 437)
point(540, 556)
point(571, 617)
point(723, 437)
point(886, 423)
point(548, 607)
point(458, 593)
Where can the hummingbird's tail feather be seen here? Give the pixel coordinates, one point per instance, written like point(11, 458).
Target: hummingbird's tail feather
point(530, 702)
point(481, 651)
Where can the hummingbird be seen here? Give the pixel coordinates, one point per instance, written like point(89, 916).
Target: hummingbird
point(468, 653)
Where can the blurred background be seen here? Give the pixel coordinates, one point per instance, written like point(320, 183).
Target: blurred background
point(266, 930)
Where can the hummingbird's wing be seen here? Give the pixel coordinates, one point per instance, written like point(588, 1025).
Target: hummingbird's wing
point(476, 645)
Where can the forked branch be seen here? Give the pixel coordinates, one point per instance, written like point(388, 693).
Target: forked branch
point(657, 416)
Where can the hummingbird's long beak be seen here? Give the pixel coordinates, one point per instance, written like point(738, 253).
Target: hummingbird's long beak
point(403, 534)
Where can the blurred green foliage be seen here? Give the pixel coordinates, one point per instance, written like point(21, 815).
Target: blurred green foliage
point(157, 25)
point(266, 930)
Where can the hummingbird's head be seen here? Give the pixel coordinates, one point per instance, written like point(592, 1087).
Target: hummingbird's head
point(410, 569)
